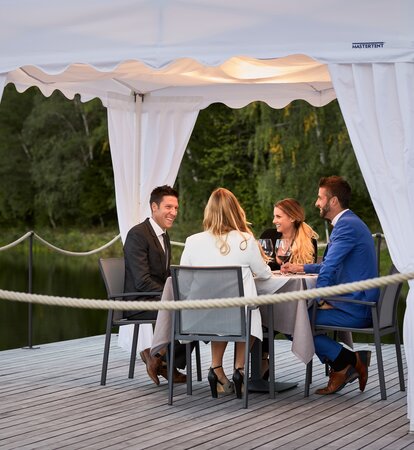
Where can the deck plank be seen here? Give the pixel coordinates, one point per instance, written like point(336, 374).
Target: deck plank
point(51, 398)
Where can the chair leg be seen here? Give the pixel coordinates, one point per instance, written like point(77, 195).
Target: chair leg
point(106, 347)
point(399, 358)
point(198, 361)
point(171, 360)
point(308, 377)
point(189, 369)
point(133, 351)
point(271, 335)
point(170, 369)
point(247, 359)
point(380, 364)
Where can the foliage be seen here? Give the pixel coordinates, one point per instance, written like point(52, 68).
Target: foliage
point(264, 155)
point(56, 162)
point(56, 166)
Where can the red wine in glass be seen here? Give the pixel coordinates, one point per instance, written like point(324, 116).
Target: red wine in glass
point(283, 250)
point(284, 258)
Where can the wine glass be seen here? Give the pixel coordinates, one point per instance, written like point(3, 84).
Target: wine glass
point(283, 251)
point(267, 246)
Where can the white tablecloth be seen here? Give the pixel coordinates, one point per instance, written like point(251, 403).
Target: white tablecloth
point(291, 317)
point(144, 337)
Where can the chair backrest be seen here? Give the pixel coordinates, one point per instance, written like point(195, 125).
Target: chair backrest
point(190, 283)
point(388, 302)
point(113, 274)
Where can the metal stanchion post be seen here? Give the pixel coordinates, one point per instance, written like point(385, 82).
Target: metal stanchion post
point(378, 237)
point(30, 291)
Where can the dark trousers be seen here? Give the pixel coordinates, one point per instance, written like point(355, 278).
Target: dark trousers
point(179, 352)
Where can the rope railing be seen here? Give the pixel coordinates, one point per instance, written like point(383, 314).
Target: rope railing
point(71, 253)
point(207, 303)
point(17, 241)
point(105, 246)
point(68, 252)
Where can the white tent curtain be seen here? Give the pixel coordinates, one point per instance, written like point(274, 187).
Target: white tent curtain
point(377, 102)
point(3, 77)
point(148, 137)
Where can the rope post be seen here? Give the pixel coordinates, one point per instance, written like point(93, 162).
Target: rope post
point(30, 291)
point(378, 237)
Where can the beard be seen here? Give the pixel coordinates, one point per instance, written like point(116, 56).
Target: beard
point(324, 211)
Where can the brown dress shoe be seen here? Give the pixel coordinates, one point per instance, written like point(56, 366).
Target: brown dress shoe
point(153, 363)
point(363, 360)
point(337, 380)
point(178, 377)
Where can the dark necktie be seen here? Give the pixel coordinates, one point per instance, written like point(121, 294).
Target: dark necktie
point(164, 236)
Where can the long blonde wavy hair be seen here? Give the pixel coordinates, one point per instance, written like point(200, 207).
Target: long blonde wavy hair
point(223, 214)
point(302, 248)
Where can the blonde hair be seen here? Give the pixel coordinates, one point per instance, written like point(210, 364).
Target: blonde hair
point(223, 214)
point(303, 251)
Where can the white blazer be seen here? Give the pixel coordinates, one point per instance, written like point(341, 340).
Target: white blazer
point(202, 249)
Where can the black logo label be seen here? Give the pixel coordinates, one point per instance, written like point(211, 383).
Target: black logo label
point(368, 44)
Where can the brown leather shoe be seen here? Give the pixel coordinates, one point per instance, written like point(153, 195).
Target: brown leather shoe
point(178, 377)
point(337, 380)
point(153, 364)
point(363, 360)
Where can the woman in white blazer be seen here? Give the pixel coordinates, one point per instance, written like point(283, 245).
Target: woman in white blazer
point(228, 241)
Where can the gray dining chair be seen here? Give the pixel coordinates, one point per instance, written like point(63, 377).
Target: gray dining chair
point(219, 324)
point(113, 274)
point(384, 322)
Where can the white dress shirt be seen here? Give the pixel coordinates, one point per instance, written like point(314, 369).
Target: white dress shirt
point(158, 231)
point(338, 216)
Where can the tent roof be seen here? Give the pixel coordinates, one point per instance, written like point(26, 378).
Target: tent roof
point(233, 51)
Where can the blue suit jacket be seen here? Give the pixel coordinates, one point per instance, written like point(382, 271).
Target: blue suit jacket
point(350, 256)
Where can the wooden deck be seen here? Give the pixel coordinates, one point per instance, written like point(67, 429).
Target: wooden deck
point(51, 399)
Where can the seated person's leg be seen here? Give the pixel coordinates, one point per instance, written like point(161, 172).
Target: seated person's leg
point(346, 366)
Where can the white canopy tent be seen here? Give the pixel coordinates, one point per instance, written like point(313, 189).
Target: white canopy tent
point(156, 63)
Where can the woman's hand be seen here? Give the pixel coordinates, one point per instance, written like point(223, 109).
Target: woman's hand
point(291, 268)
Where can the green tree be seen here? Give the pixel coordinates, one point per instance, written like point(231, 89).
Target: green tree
point(16, 190)
point(56, 166)
point(216, 156)
point(264, 155)
point(70, 166)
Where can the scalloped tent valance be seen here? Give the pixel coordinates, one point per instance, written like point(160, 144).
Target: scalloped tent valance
point(236, 82)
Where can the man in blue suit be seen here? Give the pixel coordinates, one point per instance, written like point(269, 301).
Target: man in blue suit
point(350, 256)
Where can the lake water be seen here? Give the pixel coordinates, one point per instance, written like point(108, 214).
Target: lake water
point(53, 274)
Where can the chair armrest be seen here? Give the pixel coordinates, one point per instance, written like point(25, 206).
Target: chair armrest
point(135, 294)
point(348, 300)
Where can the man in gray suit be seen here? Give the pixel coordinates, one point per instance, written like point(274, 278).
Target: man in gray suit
point(147, 252)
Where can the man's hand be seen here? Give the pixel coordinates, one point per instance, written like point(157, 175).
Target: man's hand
point(325, 305)
point(291, 268)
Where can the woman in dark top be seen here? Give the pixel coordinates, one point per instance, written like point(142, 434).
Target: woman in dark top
point(289, 220)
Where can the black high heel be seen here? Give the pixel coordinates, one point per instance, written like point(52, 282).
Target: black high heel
point(216, 385)
point(238, 377)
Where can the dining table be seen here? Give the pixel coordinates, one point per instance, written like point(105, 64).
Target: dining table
point(290, 318)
